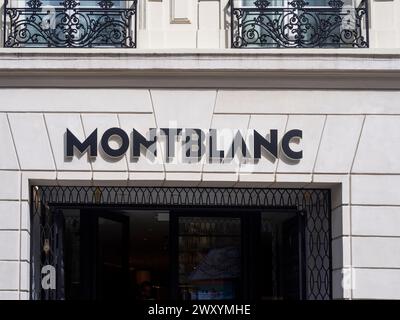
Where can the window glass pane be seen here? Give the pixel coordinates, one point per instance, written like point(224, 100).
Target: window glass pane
point(209, 258)
point(149, 259)
point(110, 271)
point(72, 254)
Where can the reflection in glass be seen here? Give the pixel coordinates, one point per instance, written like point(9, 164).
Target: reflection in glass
point(209, 258)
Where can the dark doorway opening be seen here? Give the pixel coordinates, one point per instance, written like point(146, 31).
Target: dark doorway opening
point(116, 254)
point(179, 254)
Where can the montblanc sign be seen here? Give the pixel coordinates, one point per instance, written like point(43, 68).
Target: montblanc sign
point(189, 144)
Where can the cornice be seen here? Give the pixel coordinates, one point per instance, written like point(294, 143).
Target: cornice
point(274, 68)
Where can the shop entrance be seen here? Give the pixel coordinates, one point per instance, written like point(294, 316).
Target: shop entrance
point(196, 255)
point(175, 252)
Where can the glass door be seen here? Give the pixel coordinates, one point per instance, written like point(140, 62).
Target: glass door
point(209, 255)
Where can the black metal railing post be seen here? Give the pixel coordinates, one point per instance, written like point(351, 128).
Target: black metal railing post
point(231, 6)
point(366, 8)
point(4, 20)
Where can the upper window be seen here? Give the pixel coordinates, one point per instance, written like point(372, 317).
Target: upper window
point(299, 24)
point(71, 23)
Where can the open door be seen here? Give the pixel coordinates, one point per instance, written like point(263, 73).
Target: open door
point(280, 256)
point(104, 255)
point(293, 257)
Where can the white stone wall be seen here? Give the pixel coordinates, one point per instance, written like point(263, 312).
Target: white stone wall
point(351, 144)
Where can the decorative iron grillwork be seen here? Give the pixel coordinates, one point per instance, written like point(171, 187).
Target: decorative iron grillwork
point(299, 24)
point(71, 23)
point(315, 203)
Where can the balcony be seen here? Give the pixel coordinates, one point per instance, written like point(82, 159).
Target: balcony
point(183, 24)
point(70, 23)
point(299, 24)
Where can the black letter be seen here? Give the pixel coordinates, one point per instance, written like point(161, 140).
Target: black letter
point(190, 143)
point(214, 152)
point(271, 146)
point(124, 145)
point(295, 133)
point(238, 143)
point(90, 142)
point(171, 135)
point(139, 140)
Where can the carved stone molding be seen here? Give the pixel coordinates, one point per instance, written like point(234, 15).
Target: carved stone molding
point(179, 12)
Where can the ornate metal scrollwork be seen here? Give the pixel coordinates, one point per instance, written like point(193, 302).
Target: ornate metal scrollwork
point(336, 3)
point(298, 4)
point(297, 24)
point(71, 23)
point(262, 4)
point(36, 4)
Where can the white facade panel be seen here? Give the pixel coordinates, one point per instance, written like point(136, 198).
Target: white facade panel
point(338, 144)
point(183, 108)
point(307, 102)
point(32, 141)
point(379, 148)
point(9, 245)
point(376, 252)
point(74, 100)
point(9, 271)
point(11, 179)
point(375, 221)
point(9, 295)
point(9, 215)
point(8, 157)
point(376, 284)
point(375, 190)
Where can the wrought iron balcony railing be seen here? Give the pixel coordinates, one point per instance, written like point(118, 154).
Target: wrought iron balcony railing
point(299, 23)
point(70, 23)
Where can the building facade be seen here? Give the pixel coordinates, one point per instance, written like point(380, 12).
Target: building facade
point(200, 149)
